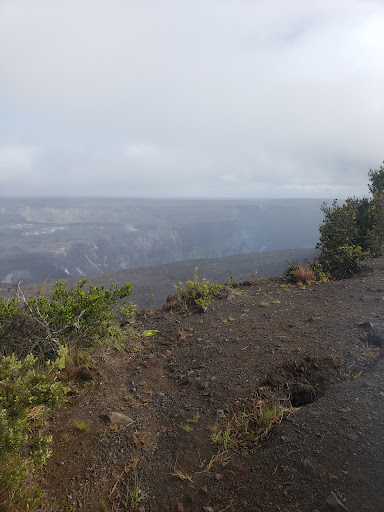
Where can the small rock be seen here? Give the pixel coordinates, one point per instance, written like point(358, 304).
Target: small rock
point(335, 504)
point(365, 324)
point(204, 489)
point(117, 418)
point(375, 338)
point(208, 509)
point(219, 414)
point(218, 476)
point(226, 293)
point(161, 394)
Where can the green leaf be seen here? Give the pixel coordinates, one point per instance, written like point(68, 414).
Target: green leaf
point(150, 332)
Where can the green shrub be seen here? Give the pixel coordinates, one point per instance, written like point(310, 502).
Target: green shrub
point(26, 389)
point(126, 312)
point(8, 309)
point(353, 231)
point(199, 293)
point(321, 275)
point(73, 317)
point(290, 271)
point(343, 261)
point(343, 237)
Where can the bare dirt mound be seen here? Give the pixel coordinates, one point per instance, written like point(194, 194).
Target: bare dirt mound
point(205, 420)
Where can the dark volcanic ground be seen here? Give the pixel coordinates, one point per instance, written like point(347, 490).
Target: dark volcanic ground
point(319, 349)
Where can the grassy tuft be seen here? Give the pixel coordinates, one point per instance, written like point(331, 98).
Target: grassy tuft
point(247, 429)
point(83, 426)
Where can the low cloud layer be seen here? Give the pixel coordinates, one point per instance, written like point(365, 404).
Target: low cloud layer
point(209, 98)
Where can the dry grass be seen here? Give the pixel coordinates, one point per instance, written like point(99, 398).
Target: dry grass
point(247, 429)
point(305, 275)
point(126, 493)
point(172, 304)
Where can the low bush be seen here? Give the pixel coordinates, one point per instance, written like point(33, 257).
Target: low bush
point(344, 261)
point(317, 268)
point(199, 293)
point(27, 389)
point(38, 335)
point(126, 312)
point(74, 317)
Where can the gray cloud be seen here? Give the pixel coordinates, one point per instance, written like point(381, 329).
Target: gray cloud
point(206, 98)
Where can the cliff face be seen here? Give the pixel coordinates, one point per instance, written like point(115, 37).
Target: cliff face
point(119, 250)
point(72, 238)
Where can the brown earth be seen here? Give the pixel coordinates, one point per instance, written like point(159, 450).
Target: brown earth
point(319, 349)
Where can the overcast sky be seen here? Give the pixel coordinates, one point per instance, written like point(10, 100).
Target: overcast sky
point(206, 98)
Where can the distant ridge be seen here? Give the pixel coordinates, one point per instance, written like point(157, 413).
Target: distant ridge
point(157, 282)
point(67, 238)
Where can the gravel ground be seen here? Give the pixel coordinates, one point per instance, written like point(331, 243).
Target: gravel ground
point(185, 396)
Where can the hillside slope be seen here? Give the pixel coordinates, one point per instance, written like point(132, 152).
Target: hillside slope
point(203, 377)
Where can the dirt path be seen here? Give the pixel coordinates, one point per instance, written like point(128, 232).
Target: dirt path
point(321, 347)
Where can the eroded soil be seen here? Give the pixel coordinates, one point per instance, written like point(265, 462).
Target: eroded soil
point(318, 348)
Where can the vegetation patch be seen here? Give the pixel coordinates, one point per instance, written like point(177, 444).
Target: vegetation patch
point(249, 427)
point(73, 317)
point(309, 273)
point(45, 340)
point(197, 293)
point(82, 426)
point(126, 494)
point(353, 231)
point(27, 389)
